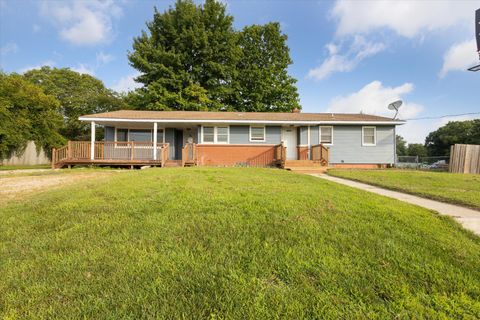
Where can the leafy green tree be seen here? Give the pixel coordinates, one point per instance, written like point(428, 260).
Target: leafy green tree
point(263, 83)
point(191, 58)
point(78, 94)
point(187, 59)
point(27, 113)
point(439, 141)
point(416, 149)
point(401, 145)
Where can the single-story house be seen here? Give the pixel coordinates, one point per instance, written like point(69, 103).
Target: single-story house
point(134, 137)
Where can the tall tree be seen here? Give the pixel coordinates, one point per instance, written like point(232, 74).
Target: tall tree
point(416, 149)
point(263, 83)
point(27, 113)
point(401, 145)
point(439, 141)
point(78, 94)
point(188, 57)
point(191, 58)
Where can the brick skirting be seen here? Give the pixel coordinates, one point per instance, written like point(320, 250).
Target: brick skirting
point(231, 155)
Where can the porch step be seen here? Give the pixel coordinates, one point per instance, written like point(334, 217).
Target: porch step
point(308, 169)
point(173, 163)
point(302, 163)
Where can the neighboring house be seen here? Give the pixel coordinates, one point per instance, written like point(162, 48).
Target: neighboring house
point(235, 139)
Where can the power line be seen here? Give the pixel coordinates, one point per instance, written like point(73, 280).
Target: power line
point(445, 116)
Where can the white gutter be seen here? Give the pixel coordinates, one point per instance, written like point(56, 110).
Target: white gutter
point(399, 122)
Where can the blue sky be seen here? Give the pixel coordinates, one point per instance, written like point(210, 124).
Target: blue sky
point(349, 56)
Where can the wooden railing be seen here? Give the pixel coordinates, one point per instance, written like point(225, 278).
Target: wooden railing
point(320, 153)
point(80, 151)
point(189, 154)
point(280, 154)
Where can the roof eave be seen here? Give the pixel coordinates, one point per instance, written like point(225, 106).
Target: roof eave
point(306, 122)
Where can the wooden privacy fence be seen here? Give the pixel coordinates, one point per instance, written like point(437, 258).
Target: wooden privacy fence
point(465, 158)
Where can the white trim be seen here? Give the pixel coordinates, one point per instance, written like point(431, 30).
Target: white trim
point(92, 140)
point(215, 134)
point(320, 135)
point(250, 134)
point(374, 136)
point(154, 136)
point(399, 122)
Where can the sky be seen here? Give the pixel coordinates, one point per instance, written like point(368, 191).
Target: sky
point(348, 56)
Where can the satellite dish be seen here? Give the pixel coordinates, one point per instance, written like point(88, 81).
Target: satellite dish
point(395, 106)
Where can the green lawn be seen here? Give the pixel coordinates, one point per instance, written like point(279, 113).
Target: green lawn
point(23, 167)
point(461, 189)
point(231, 243)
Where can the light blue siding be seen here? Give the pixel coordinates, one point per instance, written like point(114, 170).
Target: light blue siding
point(347, 146)
point(241, 135)
point(314, 135)
point(109, 133)
point(302, 136)
point(170, 138)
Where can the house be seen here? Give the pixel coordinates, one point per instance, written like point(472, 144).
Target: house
point(165, 138)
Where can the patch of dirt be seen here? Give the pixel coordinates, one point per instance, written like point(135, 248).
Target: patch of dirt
point(16, 187)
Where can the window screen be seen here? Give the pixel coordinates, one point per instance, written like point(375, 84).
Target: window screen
point(257, 133)
point(326, 135)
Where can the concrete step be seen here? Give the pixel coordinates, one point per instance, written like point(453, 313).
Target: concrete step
point(308, 169)
point(173, 163)
point(302, 163)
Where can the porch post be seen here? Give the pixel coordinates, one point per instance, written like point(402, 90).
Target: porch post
point(154, 141)
point(92, 140)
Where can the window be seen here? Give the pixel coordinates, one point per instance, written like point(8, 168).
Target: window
point(257, 133)
point(122, 134)
point(326, 135)
point(222, 134)
point(209, 134)
point(369, 136)
point(160, 136)
point(140, 135)
point(215, 134)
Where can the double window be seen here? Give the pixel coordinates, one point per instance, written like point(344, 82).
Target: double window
point(257, 133)
point(144, 135)
point(326, 135)
point(215, 134)
point(369, 136)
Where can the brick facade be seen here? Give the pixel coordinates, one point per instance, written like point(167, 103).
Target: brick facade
point(231, 155)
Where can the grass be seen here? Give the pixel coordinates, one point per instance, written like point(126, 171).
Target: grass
point(23, 167)
point(463, 189)
point(231, 243)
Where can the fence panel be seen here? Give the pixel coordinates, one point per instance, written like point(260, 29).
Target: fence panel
point(465, 158)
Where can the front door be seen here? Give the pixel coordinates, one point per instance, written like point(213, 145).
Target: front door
point(178, 144)
point(290, 141)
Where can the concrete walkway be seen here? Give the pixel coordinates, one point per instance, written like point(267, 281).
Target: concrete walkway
point(468, 218)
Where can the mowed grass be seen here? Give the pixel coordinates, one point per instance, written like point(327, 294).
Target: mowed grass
point(455, 188)
point(235, 243)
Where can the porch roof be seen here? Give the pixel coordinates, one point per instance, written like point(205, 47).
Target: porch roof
point(238, 117)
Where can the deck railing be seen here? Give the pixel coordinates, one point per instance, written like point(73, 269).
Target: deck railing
point(320, 153)
point(104, 151)
point(189, 154)
point(280, 154)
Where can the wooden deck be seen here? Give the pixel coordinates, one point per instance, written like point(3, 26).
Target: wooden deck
point(110, 153)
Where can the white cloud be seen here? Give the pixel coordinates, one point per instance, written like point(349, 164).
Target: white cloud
point(127, 83)
point(8, 48)
point(103, 58)
point(83, 69)
point(47, 63)
point(335, 62)
point(459, 57)
point(84, 22)
point(407, 18)
point(374, 99)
